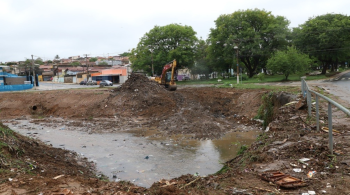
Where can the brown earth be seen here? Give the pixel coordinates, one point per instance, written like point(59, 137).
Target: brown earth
point(200, 112)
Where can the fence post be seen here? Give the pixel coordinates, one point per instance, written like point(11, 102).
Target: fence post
point(302, 87)
point(308, 101)
point(317, 114)
point(330, 133)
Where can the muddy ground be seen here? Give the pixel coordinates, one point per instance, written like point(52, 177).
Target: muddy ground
point(31, 167)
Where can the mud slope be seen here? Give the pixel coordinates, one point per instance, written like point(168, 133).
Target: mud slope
point(203, 112)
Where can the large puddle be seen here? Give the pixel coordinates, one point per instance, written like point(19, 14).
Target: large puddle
point(142, 160)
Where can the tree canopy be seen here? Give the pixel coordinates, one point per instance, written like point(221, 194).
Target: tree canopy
point(161, 45)
point(125, 54)
point(202, 63)
point(326, 37)
point(256, 34)
point(39, 61)
point(288, 62)
point(75, 63)
point(93, 59)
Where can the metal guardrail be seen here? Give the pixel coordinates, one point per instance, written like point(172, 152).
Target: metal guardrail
point(306, 91)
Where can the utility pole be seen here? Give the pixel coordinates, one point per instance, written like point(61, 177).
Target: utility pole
point(87, 67)
point(151, 49)
point(236, 48)
point(33, 73)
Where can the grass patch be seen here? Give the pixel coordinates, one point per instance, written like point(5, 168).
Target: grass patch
point(5, 131)
point(265, 111)
point(256, 79)
point(224, 169)
point(242, 149)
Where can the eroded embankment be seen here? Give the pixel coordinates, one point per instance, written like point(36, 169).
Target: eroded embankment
point(200, 112)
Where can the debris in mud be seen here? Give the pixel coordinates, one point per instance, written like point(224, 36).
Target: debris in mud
point(283, 180)
point(311, 173)
point(334, 132)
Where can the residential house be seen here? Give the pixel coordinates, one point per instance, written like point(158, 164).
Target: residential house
point(11, 82)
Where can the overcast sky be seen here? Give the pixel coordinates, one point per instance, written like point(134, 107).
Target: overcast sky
point(46, 28)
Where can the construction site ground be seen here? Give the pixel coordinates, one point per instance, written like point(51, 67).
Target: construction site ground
point(291, 144)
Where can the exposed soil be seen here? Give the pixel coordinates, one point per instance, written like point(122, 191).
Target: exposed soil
point(202, 112)
point(31, 167)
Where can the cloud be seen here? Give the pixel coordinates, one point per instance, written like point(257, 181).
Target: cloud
point(75, 27)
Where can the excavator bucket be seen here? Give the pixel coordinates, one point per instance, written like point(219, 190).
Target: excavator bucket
point(172, 88)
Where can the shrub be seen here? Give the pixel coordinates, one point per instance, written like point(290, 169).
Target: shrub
point(261, 76)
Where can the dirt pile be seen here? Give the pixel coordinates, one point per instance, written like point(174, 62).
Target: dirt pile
point(201, 112)
point(138, 82)
point(291, 144)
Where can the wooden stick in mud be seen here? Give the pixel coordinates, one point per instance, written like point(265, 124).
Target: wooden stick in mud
point(190, 182)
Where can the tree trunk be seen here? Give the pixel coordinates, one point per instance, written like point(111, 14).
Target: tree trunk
point(332, 67)
point(336, 64)
point(249, 66)
point(265, 71)
point(324, 68)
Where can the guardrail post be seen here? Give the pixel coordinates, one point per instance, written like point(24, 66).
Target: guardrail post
point(308, 101)
point(330, 133)
point(302, 87)
point(317, 114)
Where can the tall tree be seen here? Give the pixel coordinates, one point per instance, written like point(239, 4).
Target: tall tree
point(56, 58)
point(255, 34)
point(202, 64)
point(93, 59)
point(27, 66)
point(289, 62)
point(39, 61)
point(75, 63)
point(163, 44)
point(326, 37)
point(125, 54)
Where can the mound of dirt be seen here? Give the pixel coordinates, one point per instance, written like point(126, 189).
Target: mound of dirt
point(201, 112)
point(139, 82)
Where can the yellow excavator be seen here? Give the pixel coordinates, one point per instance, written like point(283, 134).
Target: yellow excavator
point(167, 78)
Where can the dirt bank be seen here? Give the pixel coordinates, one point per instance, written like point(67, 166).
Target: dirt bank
point(32, 167)
point(200, 112)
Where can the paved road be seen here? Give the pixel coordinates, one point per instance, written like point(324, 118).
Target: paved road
point(344, 77)
point(55, 86)
point(338, 86)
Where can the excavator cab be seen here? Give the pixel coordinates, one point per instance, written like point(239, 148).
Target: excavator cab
point(169, 82)
point(167, 78)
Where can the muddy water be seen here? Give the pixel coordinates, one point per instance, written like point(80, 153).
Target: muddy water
point(142, 160)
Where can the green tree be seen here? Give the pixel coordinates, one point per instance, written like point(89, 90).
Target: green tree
point(326, 38)
point(289, 62)
point(25, 67)
point(93, 59)
point(75, 63)
point(161, 45)
point(125, 54)
point(11, 63)
point(255, 33)
point(202, 64)
point(103, 63)
point(39, 61)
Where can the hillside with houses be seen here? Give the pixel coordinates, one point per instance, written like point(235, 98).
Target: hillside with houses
point(74, 69)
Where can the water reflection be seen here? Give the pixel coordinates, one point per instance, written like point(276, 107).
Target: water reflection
point(139, 157)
